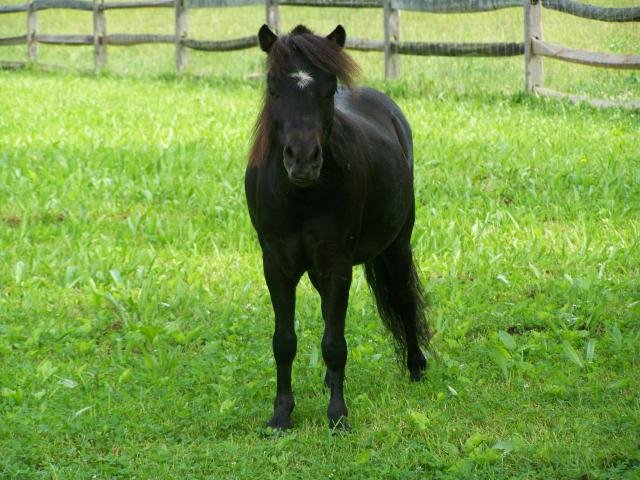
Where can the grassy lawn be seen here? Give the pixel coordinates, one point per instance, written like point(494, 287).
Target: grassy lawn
point(135, 326)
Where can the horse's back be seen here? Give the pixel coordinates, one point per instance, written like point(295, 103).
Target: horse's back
point(374, 138)
point(377, 114)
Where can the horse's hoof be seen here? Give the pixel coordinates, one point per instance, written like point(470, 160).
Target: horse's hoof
point(280, 423)
point(416, 367)
point(422, 362)
point(339, 425)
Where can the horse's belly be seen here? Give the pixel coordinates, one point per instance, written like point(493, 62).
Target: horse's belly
point(378, 234)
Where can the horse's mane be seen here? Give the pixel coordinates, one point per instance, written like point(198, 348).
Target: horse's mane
point(325, 54)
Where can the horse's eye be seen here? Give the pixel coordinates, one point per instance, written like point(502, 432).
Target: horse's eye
point(273, 93)
point(331, 92)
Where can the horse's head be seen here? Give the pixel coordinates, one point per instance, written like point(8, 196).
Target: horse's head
point(303, 70)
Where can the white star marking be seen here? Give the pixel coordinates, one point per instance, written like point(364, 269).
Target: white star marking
point(304, 79)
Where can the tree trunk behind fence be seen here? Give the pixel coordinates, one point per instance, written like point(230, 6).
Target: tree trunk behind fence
point(32, 31)
point(534, 73)
point(99, 34)
point(391, 34)
point(182, 26)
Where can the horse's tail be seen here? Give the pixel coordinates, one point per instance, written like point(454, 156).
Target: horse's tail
point(403, 306)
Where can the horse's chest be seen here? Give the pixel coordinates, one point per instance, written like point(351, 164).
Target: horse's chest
point(324, 241)
point(324, 235)
point(315, 244)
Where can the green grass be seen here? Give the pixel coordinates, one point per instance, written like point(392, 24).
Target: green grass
point(135, 325)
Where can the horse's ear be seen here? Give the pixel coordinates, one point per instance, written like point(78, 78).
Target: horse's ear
point(338, 36)
point(266, 38)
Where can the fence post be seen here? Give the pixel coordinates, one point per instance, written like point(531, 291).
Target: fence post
point(32, 32)
point(182, 26)
point(274, 21)
point(99, 35)
point(391, 33)
point(534, 73)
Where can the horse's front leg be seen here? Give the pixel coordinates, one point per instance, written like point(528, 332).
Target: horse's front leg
point(282, 289)
point(334, 292)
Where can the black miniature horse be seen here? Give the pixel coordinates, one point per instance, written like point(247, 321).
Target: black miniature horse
point(329, 185)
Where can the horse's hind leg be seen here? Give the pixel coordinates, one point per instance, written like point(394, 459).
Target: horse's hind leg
point(401, 303)
point(408, 300)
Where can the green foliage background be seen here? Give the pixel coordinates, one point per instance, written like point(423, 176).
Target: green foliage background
point(134, 321)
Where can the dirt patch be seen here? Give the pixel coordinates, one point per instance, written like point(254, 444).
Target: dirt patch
point(12, 220)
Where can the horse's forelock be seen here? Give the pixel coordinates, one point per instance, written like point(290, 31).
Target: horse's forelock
point(300, 29)
point(326, 55)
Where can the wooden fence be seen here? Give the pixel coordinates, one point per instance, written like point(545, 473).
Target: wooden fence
point(536, 48)
point(533, 47)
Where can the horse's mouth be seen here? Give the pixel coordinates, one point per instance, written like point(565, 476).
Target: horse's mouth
point(302, 182)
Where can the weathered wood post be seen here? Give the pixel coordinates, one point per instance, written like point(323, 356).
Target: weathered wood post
point(391, 34)
point(99, 35)
point(534, 73)
point(274, 21)
point(182, 26)
point(32, 32)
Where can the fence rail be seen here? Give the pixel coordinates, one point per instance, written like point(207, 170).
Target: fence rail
point(14, 8)
point(534, 48)
point(333, 3)
point(592, 12)
point(139, 4)
point(65, 39)
point(20, 39)
point(458, 49)
point(579, 9)
point(125, 39)
point(454, 6)
point(68, 4)
point(223, 45)
point(595, 59)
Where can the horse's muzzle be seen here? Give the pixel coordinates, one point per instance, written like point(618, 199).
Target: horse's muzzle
point(303, 182)
point(303, 165)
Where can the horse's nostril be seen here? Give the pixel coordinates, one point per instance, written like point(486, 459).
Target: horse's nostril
point(316, 153)
point(288, 151)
